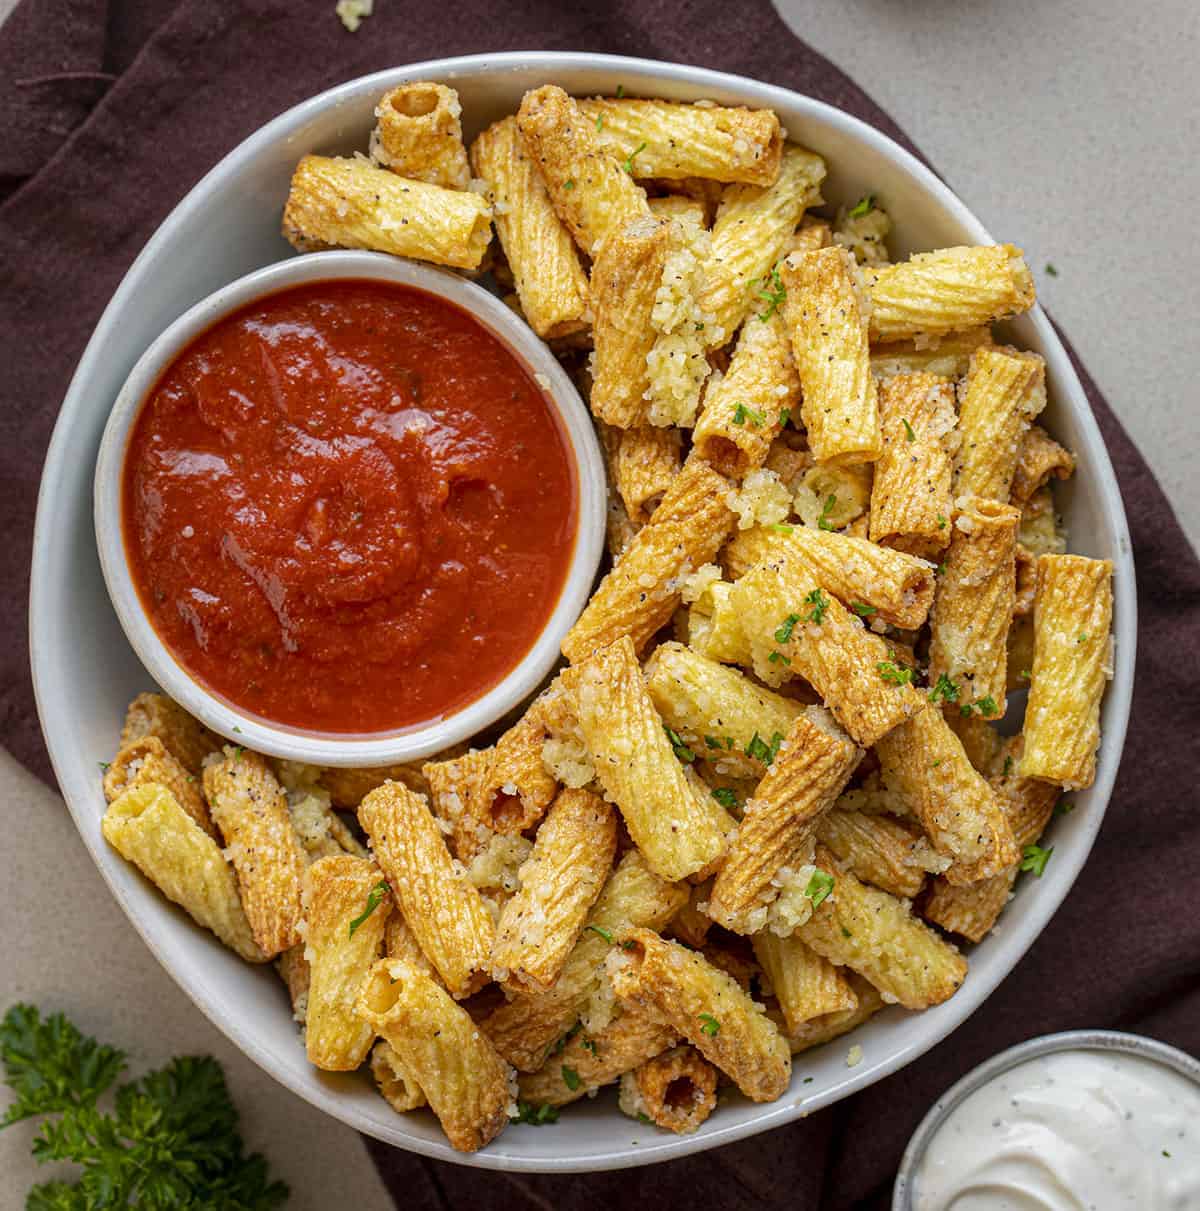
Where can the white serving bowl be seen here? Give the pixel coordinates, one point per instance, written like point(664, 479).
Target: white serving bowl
point(85, 672)
point(322, 748)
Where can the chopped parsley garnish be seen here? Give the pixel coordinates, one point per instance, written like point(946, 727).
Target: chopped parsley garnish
point(779, 658)
point(846, 933)
point(534, 1115)
point(1025, 674)
point(600, 122)
point(712, 741)
point(819, 603)
point(862, 609)
point(893, 674)
point(987, 706)
point(908, 430)
point(374, 898)
point(599, 929)
point(643, 1117)
point(680, 749)
point(941, 568)
point(237, 729)
point(741, 414)
point(725, 796)
point(944, 690)
point(808, 1080)
point(1008, 764)
point(104, 766)
point(1034, 858)
point(965, 710)
point(1051, 270)
point(760, 750)
point(781, 527)
point(628, 944)
point(785, 416)
point(863, 206)
point(569, 184)
point(1082, 637)
point(637, 151)
point(784, 631)
point(941, 521)
point(772, 289)
point(566, 1038)
point(570, 1078)
point(823, 522)
point(620, 90)
point(590, 1045)
point(1063, 809)
point(819, 886)
point(709, 1025)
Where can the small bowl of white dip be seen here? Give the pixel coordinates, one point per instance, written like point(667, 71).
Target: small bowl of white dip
point(1087, 1120)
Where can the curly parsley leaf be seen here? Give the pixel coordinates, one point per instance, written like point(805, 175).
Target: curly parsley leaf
point(819, 603)
point(819, 886)
point(374, 898)
point(944, 690)
point(725, 796)
point(773, 290)
point(535, 1115)
point(783, 632)
point(709, 1025)
point(893, 673)
point(1034, 859)
point(679, 748)
point(863, 206)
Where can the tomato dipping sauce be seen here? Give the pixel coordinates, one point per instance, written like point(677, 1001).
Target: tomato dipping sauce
point(347, 507)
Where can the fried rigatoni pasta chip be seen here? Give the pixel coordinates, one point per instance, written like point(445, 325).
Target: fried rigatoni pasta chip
point(670, 141)
point(545, 264)
point(706, 1007)
point(418, 134)
point(350, 203)
point(877, 935)
point(1005, 390)
point(294, 971)
point(149, 760)
point(448, 1057)
point(806, 985)
point(347, 908)
point(828, 328)
point(948, 358)
point(813, 763)
point(951, 290)
point(745, 410)
point(395, 1081)
point(830, 1026)
point(879, 849)
point(973, 609)
point(249, 807)
point(784, 610)
point(638, 769)
point(646, 463)
point(1072, 618)
point(679, 206)
point(185, 737)
point(524, 1028)
point(644, 588)
point(676, 1090)
point(593, 195)
point(147, 827)
point(924, 762)
point(911, 499)
point(589, 1061)
point(874, 581)
point(751, 231)
point(442, 908)
point(1039, 459)
point(571, 859)
point(348, 787)
point(716, 711)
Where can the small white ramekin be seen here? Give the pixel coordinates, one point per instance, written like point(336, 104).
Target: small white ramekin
point(905, 1191)
point(323, 748)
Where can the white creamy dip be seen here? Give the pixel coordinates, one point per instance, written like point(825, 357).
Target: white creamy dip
point(1082, 1130)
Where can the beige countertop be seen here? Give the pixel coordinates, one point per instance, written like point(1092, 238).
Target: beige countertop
point(1066, 127)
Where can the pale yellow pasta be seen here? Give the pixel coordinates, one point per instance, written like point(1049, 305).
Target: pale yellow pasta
point(418, 134)
point(672, 141)
point(589, 1061)
point(832, 496)
point(545, 264)
point(751, 231)
point(647, 461)
point(691, 923)
point(949, 357)
point(676, 1090)
point(830, 1026)
point(1072, 618)
point(442, 908)
point(637, 768)
point(644, 587)
point(526, 1027)
point(1039, 459)
point(399, 942)
point(976, 591)
point(744, 410)
point(980, 739)
point(876, 934)
point(950, 290)
point(348, 787)
point(880, 850)
point(911, 499)
point(148, 759)
point(342, 945)
point(249, 807)
point(592, 193)
point(806, 985)
point(923, 761)
point(875, 582)
point(779, 604)
point(147, 827)
point(706, 1007)
point(812, 765)
point(445, 1054)
point(350, 203)
point(396, 1083)
point(185, 738)
point(828, 327)
point(716, 711)
point(679, 206)
point(714, 629)
point(571, 858)
point(813, 233)
point(1004, 391)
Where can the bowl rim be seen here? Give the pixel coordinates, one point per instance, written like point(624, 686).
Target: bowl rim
point(420, 740)
point(1125, 1042)
point(80, 794)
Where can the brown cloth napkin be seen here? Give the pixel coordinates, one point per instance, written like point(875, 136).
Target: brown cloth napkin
point(110, 113)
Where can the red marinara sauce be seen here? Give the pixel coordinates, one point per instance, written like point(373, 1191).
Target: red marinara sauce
point(348, 508)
